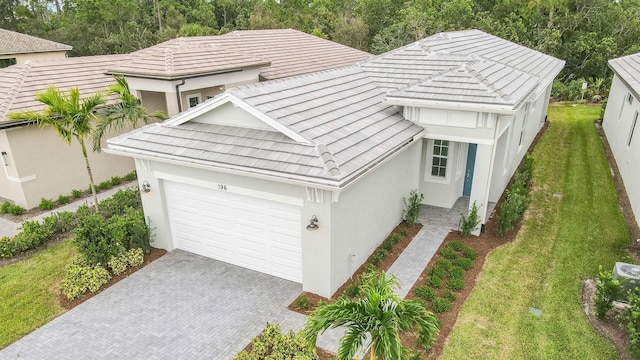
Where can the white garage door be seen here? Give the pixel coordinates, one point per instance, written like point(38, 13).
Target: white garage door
point(258, 234)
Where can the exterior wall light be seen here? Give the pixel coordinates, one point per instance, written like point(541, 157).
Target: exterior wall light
point(313, 226)
point(145, 187)
point(4, 158)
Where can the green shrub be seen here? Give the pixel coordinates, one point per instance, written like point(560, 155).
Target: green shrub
point(603, 106)
point(93, 239)
point(104, 185)
point(4, 207)
point(456, 272)
point(16, 210)
point(455, 284)
point(434, 281)
point(63, 199)
point(302, 302)
point(387, 245)
point(45, 204)
point(412, 207)
point(456, 245)
point(438, 271)
point(75, 193)
point(443, 263)
point(272, 344)
point(425, 292)
point(463, 263)
point(81, 278)
point(633, 321)
point(130, 230)
point(135, 257)
point(120, 203)
point(394, 238)
point(448, 253)
point(440, 305)
point(118, 264)
point(449, 295)
point(469, 224)
point(379, 255)
point(130, 176)
point(607, 291)
point(352, 290)
point(115, 180)
point(403, 232)
point(510, 212)
point(469, 253)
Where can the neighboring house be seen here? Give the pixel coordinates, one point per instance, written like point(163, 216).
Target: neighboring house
point(243, 177)
point(17, 48)
point(38, 164)
point(621, 125)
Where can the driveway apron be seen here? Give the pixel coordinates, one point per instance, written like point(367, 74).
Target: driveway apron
point(181, 306)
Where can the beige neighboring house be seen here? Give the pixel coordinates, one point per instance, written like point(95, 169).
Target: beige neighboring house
point(171, 77)
point(17, 48)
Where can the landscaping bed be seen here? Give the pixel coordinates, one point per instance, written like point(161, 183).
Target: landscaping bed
point(384, 265)
point(153, 255)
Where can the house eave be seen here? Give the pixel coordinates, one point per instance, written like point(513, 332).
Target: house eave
point(170, 77)
point(449, 105)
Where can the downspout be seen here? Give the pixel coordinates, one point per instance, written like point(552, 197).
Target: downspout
point(179, 96)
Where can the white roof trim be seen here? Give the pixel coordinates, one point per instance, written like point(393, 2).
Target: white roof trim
point(225, 98)
point(450, 105)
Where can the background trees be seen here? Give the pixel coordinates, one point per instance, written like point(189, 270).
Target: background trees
point(585, 33)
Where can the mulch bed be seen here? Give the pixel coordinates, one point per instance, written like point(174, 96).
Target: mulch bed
point(148, 258)
point(385, 264)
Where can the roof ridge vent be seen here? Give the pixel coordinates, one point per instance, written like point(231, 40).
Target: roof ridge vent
point(328, 161)
point(10, 96)
point(168, 60)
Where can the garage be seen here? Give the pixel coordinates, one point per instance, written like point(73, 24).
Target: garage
point(250, 232)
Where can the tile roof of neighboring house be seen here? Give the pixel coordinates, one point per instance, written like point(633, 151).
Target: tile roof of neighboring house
point(628, 69)
point(182, 57)
point(290, 52)
point(16, 43)
point(342, 113)
point(23, 81)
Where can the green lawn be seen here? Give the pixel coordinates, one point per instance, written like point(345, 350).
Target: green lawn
point(562, 242)
point(29, 291)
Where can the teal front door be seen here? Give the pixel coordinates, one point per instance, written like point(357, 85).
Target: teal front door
point(468, 174)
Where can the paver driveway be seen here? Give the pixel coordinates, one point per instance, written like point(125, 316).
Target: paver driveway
point(181, 306)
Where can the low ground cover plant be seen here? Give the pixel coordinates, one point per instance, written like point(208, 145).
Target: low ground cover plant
point(9, 208)
point(272, 344)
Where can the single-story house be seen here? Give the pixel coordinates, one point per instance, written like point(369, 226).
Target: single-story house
point(303, 177)
point(620, 124)
point(171, 77)
point(17, 48)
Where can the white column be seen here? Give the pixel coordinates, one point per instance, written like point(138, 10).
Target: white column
point(482, 181)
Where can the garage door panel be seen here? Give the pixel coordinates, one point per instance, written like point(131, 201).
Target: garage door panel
point(254, 233)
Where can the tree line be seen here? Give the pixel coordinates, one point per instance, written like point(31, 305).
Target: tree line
point(585, 33)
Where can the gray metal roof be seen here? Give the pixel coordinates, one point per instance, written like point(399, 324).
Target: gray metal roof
point(340, 117)
point(12, 42)
point(628, 70)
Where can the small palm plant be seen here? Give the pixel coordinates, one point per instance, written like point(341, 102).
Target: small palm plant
point(379, 315)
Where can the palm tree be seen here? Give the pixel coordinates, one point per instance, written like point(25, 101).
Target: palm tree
point(127, 110)
point(70, 117)
point(379, 314)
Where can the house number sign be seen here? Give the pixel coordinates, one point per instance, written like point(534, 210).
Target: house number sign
point(222, 187)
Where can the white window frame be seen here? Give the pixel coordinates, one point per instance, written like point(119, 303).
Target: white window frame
point(193, 96)
point(429, 162)
point(633, 127)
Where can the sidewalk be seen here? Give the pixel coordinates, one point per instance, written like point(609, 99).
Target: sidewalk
point(10, 228)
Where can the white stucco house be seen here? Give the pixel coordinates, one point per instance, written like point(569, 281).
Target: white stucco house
point(620, 124)
point(241, 176)
point(172, 76)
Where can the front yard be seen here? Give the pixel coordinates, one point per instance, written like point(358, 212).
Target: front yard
point(30, 291)
point(574, 224)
